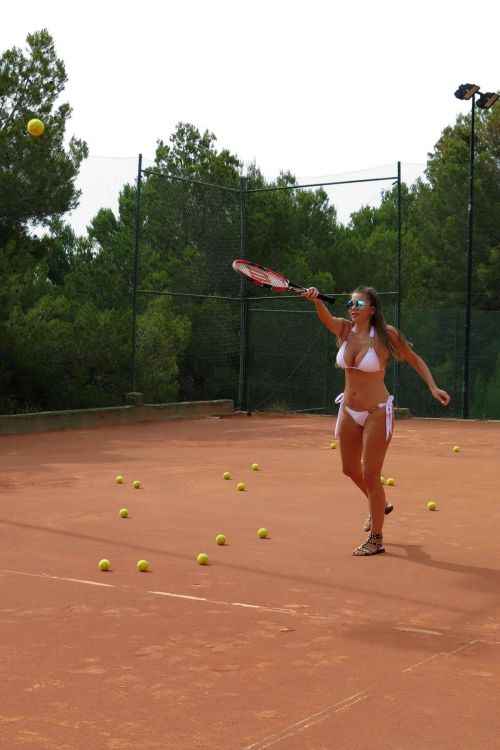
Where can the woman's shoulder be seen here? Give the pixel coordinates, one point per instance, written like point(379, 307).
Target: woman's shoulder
point(347, 328)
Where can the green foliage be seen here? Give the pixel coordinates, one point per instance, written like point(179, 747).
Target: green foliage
point(161, 339)
point(66, 356)
point(485, 402)
point(439, 216)
point(65, 301)
point(210, 366)
point(36, 174)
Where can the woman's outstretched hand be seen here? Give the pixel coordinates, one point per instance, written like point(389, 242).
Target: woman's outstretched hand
point(310, 293)
point(441, 396)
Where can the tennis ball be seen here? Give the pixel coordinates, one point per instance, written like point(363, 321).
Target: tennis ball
point(226, 475)
point(382, 480)
point(104, 565)
point(334, 445)
point(255, 467)
point(220, 539)
point(142, 565)
point(262, 533)
point(432, 505)
point(390, 482)
point(136, 485)
point(202, 558)
point(123, 512)
point(36, 127)
point(240, 486)
point(456, 449)
point(119, 479)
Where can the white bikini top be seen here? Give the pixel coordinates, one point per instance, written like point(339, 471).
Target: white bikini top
point(370, 361)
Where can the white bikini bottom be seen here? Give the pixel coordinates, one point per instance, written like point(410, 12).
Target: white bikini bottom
point(360, 417)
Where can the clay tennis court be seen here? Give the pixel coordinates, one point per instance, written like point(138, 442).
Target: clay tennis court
point(285, 642)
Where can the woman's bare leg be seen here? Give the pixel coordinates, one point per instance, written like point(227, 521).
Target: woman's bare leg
point(375, 447)
point(351, 450)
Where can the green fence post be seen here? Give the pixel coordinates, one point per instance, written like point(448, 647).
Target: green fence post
point(242, 383)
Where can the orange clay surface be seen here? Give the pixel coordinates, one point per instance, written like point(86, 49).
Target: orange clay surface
point(287, 642)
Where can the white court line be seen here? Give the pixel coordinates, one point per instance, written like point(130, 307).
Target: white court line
point(277, 610)
point(172, 595)
point(289, 731)
point(58, 578)
point(417, 630)
point(443, 653)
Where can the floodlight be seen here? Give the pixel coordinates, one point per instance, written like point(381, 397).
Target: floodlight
point(466, 91)
point(487, 100)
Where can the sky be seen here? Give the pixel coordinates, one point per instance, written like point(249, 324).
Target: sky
point(316, 87)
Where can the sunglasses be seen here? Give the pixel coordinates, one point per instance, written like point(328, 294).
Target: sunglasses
point(356, 303)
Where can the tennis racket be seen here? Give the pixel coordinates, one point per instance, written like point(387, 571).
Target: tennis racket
point(262, 276)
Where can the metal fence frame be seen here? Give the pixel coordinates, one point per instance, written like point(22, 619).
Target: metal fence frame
point(244, 298)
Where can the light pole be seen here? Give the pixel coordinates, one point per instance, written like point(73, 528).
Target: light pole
point(485, 101)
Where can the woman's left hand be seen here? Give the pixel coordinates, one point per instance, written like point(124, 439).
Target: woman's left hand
point(441, 396)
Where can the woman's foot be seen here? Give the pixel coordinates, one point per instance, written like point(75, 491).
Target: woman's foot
point(372, 546)
point(368, 523)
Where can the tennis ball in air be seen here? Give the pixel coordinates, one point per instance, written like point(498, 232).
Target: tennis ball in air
point(432, 505)
point(456, 449)
point(226, 475)
point(390, 482)
point(382, 480)
point(136, 485)
point(119, 479)
point(240, 486)
point(220, 539)
point(255, 467)
point(36, 127)
point(334, 445)
point(123, 513)
point(142, 565)
point(202, 558)
point(104, 565)
point(262, 533)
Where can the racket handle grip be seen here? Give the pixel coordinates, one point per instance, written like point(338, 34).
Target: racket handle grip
point(326, 297)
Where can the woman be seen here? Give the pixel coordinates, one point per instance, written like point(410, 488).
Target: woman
point(365, 418)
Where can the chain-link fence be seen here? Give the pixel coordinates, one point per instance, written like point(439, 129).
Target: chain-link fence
point(269, 352)
point(141, 295)
point(187, 342)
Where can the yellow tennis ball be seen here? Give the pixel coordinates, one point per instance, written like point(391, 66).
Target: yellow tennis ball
point(202, 558)
point(226, 475)
point(334, 445)
point(104, 565)
point(390, 481)
point(432, 505)
point(255, 467)
point(136, 484)
point(456, 449)
point(123, 512)
point(119, 479)
point(142, 565)
point(382, 480)
point(240, 486)
point(36, 127)
point(262, 533)
point(220, 539)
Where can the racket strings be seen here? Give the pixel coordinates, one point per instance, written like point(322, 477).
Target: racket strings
point(261, 276)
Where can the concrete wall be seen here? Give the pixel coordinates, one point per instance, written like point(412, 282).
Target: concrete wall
point(78, 418)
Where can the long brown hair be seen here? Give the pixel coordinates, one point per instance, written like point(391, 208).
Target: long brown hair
point(378, 320)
